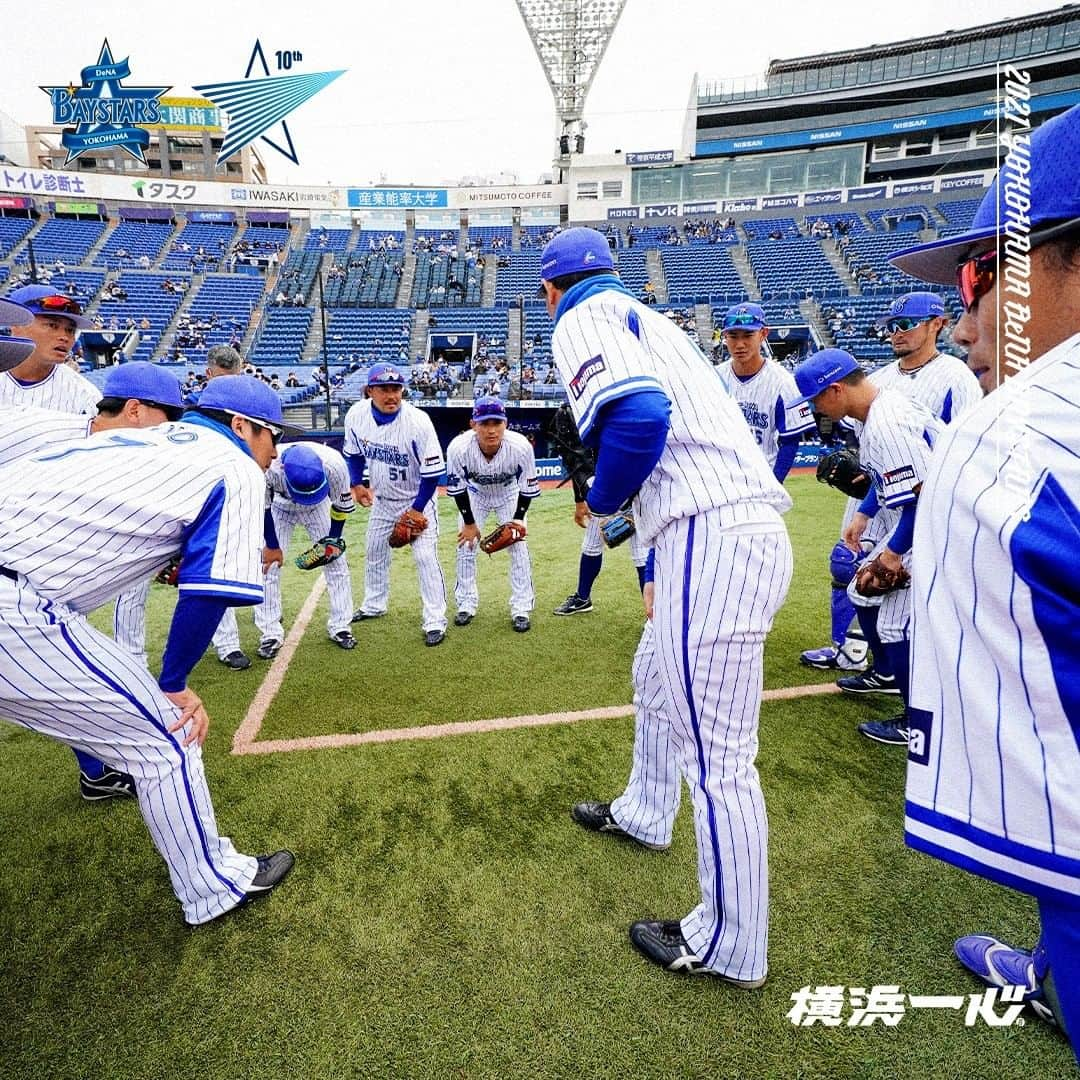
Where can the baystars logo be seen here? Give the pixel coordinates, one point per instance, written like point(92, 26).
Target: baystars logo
point(105, 114)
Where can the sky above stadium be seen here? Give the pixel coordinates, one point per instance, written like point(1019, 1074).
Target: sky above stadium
point(435, 91)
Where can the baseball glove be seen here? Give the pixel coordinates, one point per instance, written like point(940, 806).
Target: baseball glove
point(321, 553)
point(407, 528)
point(579, 462)
point(169, 575)
point(617, 528)
point(511, 532)
point(841, 470)
point(875, 579)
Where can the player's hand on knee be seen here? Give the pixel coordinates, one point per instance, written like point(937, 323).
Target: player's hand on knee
point(193, 712)
point(363, 495)
point(468, 534)
point(581, 514)
point(647, 595)
point(272, 557)
point(853, 533)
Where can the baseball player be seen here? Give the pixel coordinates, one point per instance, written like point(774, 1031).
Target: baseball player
point(309, 487)
point(895, 439)
point(762, 388)
point(42, 378)
point(79, 522)
point(948, 389)
point(648, 399)
point(993, 755)
point(397, 444)
point(490, 470)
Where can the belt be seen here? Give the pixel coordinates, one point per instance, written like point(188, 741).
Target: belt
point(9, 573)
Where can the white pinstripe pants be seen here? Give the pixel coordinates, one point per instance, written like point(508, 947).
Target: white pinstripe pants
point(61, 677)
point(466, 593)
point(129, 620)
point(717, 590)
point(425, 553)
point(593, 543)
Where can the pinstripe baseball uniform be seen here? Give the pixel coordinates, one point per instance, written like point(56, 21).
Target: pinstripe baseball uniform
point(316, 522)
point(493, 486)
point(593, 543)
point(398, 455)
point(62, 389)
point(994, 751)
point(763, 398)
point(711, 508)
point(81, 522)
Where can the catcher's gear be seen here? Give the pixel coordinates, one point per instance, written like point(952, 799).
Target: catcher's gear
point(511, 532)
point(875, 579)
point(841, 470)
point(617, 528)
point(321, 553)
point(407, 528)
point(579, 462)
point(170, 574)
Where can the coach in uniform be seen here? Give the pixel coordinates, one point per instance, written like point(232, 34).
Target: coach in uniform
point(650, 402)
point(82, 521)
point(994, 752)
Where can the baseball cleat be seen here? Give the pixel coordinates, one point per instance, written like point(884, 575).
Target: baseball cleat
point(434, 637)
point(663, 943)
point(998, 964)
point(869, 682)
point(573, 605)
point(821, 658)
point(596, 817)
point(892, 732)
point(111, 784)
point(520, 623)
point(360, 615)
point(463, 618)
point(236, 660)
point(272, 871)
point(343, 640)
point(268, 648)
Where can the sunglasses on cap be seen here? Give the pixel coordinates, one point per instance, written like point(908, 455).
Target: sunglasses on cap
point(744, 318)
point(57, 305)
point(263, 425)
point(904, 323)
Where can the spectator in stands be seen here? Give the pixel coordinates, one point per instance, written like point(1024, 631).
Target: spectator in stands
point(144, 262)
point(291, 381)
point(275, 382)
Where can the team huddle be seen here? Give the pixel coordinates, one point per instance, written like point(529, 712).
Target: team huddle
point(951, 581)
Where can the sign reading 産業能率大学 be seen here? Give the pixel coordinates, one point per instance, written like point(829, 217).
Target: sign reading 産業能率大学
point(104, 114)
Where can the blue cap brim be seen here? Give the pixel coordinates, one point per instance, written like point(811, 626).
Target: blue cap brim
point(937, 261)
point(309, 498)
point(12, 314)
point(13, 351)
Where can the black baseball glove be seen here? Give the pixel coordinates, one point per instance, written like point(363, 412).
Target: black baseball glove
point(841, 470)
point(578, 460)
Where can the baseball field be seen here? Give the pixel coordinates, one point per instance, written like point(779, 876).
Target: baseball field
point(446, 918)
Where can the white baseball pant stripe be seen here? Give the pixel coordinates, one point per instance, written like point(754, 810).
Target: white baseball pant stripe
point(129, 620)
point(425, 553)
point(717, 590)
point(316, 522)
point(61, 677)
point(226, 637)
point(647, 808)
point(593, 543)
point(466, 592)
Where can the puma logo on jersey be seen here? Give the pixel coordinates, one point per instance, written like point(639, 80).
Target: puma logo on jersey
point(593, 366)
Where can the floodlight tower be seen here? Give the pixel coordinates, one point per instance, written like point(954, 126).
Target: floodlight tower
point(570, 37)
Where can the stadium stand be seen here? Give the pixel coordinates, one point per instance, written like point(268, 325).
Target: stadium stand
point(132, 241)
point(698, 274)
point(148, 301)
point(13, 231)
point(65, 240)
point(490, 237)
point(199, 247)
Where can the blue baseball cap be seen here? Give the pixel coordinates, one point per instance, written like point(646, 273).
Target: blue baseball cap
point(305, 475)
point(12, 314)
point(572, 251)
point(914, 305)
point(488, 408)
point(820, 371)
point(245, 396)
point(1053, 155)
point(385, 375)
point(145, 382)
point(745, 317)
point(45, 300)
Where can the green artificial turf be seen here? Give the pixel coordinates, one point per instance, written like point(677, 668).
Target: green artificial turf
point(446, 918)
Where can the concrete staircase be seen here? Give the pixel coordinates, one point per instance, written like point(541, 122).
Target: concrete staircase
point(513, 342)
point(487, 283)
point(655, 265)
point(832, 253)
point(418, 337)
point(166, 248)
point(408, 273)
point(811, 311)
point(746, 271)
point(312, 351)
point(703, 318)
point(164, 342)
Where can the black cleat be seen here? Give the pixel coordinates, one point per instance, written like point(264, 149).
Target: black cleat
point(268, 648)
point(361, 615)
point(111, 784)
point(463, 618)
point(596, 817)
point(434, 637)
point(236, 660)
point(272, 871)
point(520, 623)
point(663, 943)
point(573, 605)
point(344, 640)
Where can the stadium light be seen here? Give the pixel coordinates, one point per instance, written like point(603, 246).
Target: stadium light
point(570, 37)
